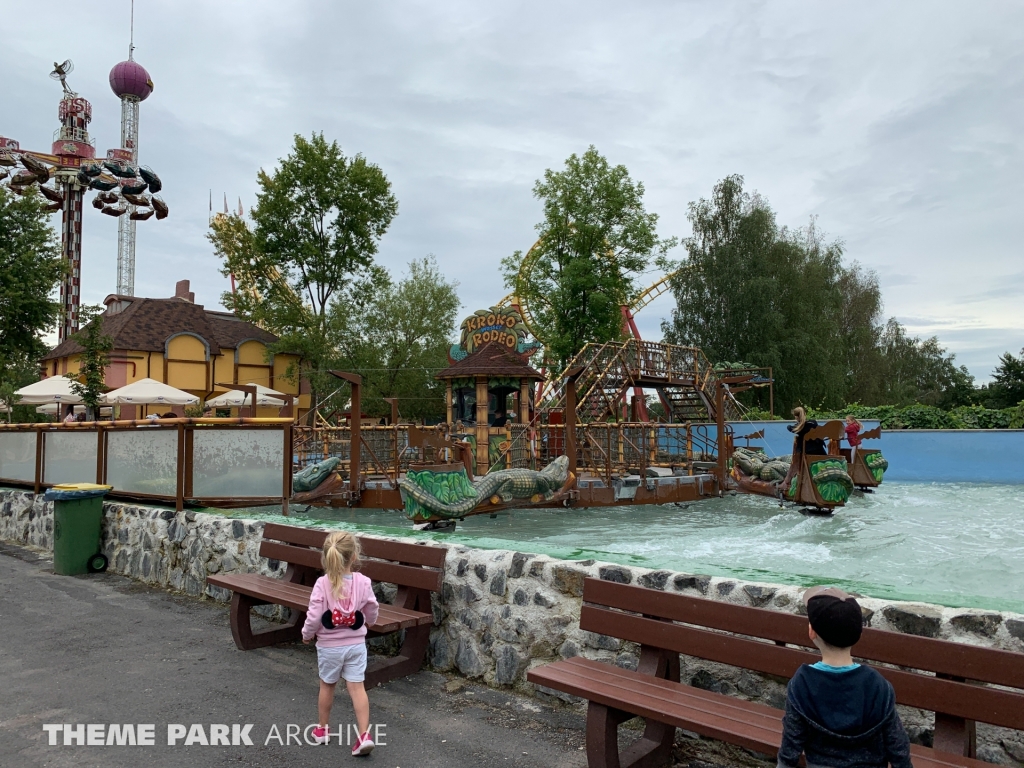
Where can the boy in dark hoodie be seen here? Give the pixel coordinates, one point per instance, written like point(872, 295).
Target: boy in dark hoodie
point(840, 714)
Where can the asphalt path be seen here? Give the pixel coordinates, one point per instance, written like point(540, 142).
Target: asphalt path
point(106, 650)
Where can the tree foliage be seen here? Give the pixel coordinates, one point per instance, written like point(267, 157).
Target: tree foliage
point(30, 270)
point(595, 239)
point(317, 223)
point(751, 289)
point(93, 361)
point(1007, 387)
point(396, 335)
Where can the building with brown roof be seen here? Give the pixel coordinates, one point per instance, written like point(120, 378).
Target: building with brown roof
point(180, 343)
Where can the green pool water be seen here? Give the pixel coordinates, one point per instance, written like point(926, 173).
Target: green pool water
point(952, 544)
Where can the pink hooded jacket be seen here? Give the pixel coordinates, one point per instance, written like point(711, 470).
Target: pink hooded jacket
point(360, 598)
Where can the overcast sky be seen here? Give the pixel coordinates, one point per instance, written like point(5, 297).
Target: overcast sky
point(898, 125)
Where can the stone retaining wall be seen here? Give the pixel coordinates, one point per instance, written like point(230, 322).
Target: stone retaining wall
point(502, 612)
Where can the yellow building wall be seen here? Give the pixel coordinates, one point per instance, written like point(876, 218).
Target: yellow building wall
point(281, 381)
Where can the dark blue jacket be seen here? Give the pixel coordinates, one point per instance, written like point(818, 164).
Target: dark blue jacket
point(842, 720)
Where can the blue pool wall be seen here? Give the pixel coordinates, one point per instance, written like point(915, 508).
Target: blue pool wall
point(925, 455)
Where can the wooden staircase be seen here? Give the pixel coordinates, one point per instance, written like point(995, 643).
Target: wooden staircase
point(684, 379)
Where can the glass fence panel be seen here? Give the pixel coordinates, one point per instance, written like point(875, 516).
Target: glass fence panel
point(69, 457)
point(237, 463)
point(18, 456)
point(143, 460)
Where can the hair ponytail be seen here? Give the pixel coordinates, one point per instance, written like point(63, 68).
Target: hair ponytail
point(340, 557)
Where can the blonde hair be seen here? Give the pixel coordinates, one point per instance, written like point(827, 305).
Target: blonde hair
point(800, 415)
point(340, 557)
point(855, 420)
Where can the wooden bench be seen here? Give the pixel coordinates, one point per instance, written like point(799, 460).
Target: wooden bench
point(949, 680)
point(415, 569)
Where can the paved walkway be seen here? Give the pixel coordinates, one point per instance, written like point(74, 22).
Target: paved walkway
point(104, 649)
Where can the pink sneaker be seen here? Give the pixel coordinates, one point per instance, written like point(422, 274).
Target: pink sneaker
point(363, 746)
point(321, 735)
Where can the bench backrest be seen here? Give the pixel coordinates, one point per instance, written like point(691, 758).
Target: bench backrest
point(407, 565)
point(649, 617)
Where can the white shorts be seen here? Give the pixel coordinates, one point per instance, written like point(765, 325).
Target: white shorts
point(344, 661)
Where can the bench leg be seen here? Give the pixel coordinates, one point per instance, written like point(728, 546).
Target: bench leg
point(241, 625)
point(652, 750)
point(955, 735)
point(408, 661)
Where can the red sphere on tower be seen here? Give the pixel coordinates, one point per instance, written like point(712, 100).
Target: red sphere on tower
point(129, 78)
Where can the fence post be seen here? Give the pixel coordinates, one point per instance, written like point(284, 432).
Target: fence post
point(99, 455)
point(39, 461)
point(179, 491)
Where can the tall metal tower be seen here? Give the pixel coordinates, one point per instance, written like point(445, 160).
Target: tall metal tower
point(131, 83)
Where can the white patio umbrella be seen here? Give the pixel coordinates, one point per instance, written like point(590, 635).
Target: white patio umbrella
point(237, 398)
point(54, 389)
point(51, 409)
point(148, 392)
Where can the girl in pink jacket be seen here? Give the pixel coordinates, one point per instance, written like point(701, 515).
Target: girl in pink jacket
point(341, 607)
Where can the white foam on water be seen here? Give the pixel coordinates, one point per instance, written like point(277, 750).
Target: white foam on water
point(948, 543)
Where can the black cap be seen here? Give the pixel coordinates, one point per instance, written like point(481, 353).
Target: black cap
point(835, 616)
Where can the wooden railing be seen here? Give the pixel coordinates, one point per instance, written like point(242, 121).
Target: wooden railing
point(603, 449)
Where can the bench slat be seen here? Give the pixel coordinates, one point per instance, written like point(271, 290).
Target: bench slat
point(997, 707)
point(403, 575)
point(296, 596)
point(412, 554)
point(286, 553)
point(713, 715)
point(989, 665)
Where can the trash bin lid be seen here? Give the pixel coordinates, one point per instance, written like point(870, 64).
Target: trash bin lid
point(72, 491)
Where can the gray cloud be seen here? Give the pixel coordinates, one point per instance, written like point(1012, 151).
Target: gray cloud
point(897, 125)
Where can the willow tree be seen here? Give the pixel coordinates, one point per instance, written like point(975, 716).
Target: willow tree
point(317, 224)
point(594, 241)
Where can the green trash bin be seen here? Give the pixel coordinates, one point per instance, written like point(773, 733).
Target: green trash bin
point(77, 514)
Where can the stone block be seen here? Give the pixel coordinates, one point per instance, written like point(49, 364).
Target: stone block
point(913, 619)
point(708, 682)
point(481, 571)
point(508, 665)
point(520, 597)
point(984, 624)
point(462, 567)
point(568, 580)
point(725, 588)
point(543, 600)
point(601, 642)
point(654, 579)
point(616, 573)
point(519, 560)
point(687, 581)
point(498, 584)
point(537, 569)
point(467, 658)
point(759, 596)
point(1016, 628)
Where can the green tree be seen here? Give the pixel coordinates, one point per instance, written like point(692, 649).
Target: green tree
point(396, 335)
point(752, 290)
point(920, 371)
point(93, 361)
point(594, 241)
point(1007, 387)
point(30, 270)
point(317, 223)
